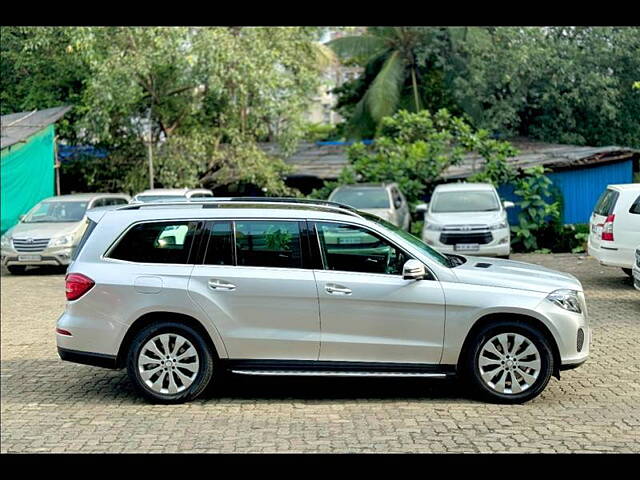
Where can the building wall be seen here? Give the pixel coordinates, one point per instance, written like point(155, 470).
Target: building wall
point(580, 188)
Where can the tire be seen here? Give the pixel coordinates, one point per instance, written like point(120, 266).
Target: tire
point(16, 269)
point(188, 374)
point(628, 271)
point(530, 380)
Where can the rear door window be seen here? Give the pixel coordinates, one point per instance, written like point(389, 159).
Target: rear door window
point(268, 243)
point(606, 203)
point(158, 242)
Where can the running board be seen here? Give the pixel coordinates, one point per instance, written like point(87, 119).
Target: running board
point(321, 373)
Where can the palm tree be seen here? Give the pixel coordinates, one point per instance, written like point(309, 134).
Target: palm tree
point(393, 48)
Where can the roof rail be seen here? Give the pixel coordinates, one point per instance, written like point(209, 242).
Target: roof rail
point(228, 201)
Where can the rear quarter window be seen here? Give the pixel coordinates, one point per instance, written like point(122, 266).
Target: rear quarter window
point(158, 242)
point(635, 207)
point(85, 236)
point(606, 203)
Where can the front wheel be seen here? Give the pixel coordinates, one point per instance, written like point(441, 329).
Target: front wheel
point(509, 362)
point(169, 362)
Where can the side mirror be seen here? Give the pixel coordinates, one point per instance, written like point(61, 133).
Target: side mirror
point(508, 204)
point(422, 207)
point(413, 270)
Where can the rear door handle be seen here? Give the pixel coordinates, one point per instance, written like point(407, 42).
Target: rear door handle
point(216, 284)
point(335, 289)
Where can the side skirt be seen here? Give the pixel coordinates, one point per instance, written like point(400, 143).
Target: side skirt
point(309, 368)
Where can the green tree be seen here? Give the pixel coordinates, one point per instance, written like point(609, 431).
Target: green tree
point(208, 95)
point(414, 149)
point(391, 71)
point(39, 71)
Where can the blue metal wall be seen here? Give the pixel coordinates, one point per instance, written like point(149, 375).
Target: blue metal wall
point(580, 189)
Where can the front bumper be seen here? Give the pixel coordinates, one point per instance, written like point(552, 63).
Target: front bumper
point(499, 246)
point(56, 256)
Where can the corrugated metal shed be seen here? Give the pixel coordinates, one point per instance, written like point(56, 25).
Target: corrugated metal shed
point(326, 161)
point(17, 127)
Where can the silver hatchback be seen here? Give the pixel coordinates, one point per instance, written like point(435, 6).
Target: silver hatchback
point(179, 294)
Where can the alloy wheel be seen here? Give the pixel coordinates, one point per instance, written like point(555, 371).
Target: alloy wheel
point(168, 363)
point(509, 363)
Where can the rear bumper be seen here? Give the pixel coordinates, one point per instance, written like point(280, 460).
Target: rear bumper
point(88, 358)
point(611, 255)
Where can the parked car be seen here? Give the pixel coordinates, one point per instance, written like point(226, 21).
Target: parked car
point(279, 287)
point(384, 200)
point(614, 226)
point(49, 232)
point(171, 195)
point(467, 218)
point(636, 270)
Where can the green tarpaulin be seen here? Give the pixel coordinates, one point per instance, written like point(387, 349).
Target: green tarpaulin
point(26, 175)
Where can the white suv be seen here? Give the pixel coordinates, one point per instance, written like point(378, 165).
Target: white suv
point(615, 226)
point(467, 218)
point(180, 293)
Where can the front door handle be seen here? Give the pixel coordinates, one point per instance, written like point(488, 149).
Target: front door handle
point(216, 284)
point(335, 289)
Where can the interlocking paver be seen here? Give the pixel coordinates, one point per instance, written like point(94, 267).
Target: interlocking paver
point(48, 405)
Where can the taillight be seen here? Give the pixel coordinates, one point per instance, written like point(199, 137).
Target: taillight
point(607, 228)
point(76, 285)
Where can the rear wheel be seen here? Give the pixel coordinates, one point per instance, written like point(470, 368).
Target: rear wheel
point(628, 271)
point(509, 362)
point(169, 362)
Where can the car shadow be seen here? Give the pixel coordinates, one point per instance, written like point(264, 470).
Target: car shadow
point(57, 382)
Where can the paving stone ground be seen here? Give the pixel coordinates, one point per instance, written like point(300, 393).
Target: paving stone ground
point(52, 406)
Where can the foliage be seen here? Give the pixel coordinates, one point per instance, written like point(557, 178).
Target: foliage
point(399, 74)
point(413, 149)
point(558, 84)
point(534, 188)
point(208, 95)
point(37, 71)
point(320, 132)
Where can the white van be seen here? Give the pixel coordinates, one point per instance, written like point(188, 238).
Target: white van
point(615, 226)
point(467, 218)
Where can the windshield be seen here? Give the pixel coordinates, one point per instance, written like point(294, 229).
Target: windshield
point(56, 212)
point(416, 242)
point(464, 201)
point(160, 198)
point(362, 197)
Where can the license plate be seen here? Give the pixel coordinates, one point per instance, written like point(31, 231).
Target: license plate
point(29, 258)
point(466, 247)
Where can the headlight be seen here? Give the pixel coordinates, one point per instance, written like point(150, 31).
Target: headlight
point(567, 299)
point(61, 241)
point(498, 226)
point(433, 226)
point(5, 241)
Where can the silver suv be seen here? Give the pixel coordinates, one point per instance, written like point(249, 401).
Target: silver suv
point(180, 293)
point(50, 231)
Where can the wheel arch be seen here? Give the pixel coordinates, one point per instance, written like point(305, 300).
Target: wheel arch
point(150, 318)
point(511, 317)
